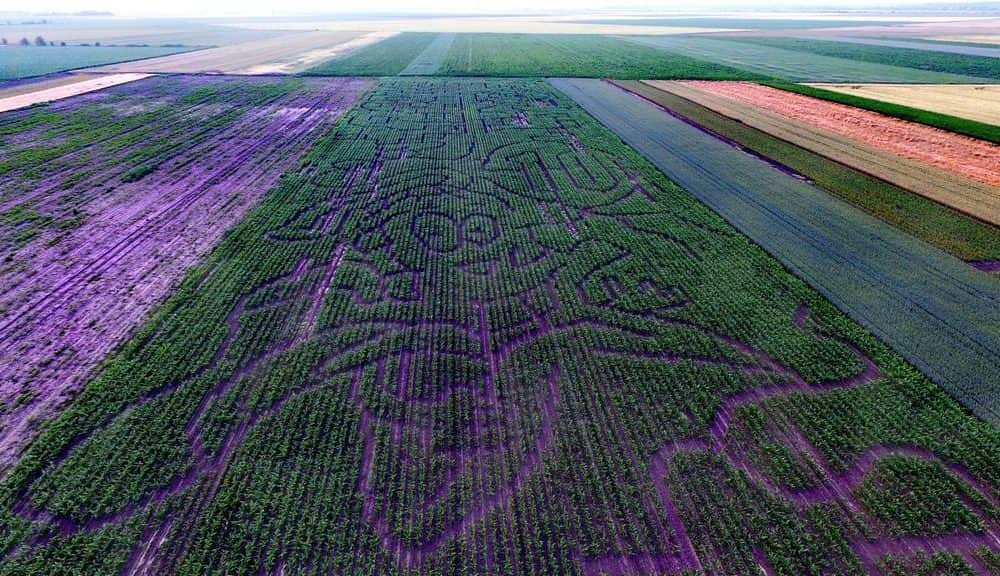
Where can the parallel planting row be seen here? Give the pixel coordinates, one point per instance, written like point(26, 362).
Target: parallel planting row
point(984, 67)
point(799, 66)
point(474, 332)
point(107, 199)
point(653, 57)
point(522, 55)
point(959, 234)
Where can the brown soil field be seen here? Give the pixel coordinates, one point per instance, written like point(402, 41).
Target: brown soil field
point(283, 54)
point(937, 164)
point(59, 88)
point(975, 102)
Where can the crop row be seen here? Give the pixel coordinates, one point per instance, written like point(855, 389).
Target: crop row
point(523, 55)
point(952, 231)
point(792, 65)
point(985, 67)
point(384, 58)
point(108, 198)
point(473, 332)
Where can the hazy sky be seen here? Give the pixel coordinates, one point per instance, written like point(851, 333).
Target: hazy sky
point(272, 7)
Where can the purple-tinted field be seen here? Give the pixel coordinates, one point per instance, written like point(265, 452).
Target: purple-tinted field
point(108, 198)
point(474, 333)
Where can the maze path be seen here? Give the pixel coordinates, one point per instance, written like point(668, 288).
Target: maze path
point(520, 326)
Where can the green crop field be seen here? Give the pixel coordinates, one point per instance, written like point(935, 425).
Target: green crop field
point(22, 62)
point(986, 68)
point(475, 332)
point(385, 58)
point(520, 55)
point(427, 62)
point(523, 55)
point(795, 66)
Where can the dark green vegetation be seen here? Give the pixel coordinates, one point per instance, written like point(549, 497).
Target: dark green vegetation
point(474, 332)
point(583, 56)
point(427, 62)
point(20, 62)
point(524, 55)
point(385, 58)
point(965, 237)
point(972, 128)
point(978, 66)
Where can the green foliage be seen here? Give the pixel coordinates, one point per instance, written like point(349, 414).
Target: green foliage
point(459, 338)
point(968, 65)
point(924, 564)
point(790, 65)
point(384, 58)
point(913, 497)
point(589, 56)
point(19, 62)
point(138, 173)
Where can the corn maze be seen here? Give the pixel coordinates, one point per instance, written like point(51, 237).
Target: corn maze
point(473, 332)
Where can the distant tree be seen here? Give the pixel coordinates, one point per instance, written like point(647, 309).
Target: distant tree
point(62, 43)
point(97, 43)
point(25, 42)
point(3, 41)
point(52, 43)
point(39, 41)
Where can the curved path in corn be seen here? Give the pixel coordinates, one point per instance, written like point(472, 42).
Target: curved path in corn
point(937, 312)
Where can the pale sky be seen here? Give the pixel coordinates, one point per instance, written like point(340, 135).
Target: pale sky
point(196, 8)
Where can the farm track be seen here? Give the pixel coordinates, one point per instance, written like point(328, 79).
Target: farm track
point(969, 185)
point(66, 296)
point(934, 310)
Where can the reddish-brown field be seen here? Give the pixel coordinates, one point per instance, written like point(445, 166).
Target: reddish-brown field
point(958, 154)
